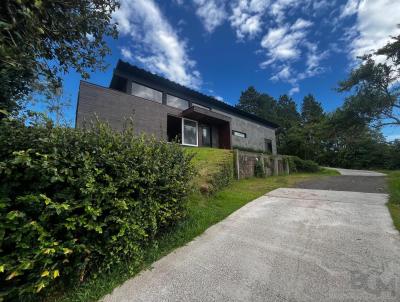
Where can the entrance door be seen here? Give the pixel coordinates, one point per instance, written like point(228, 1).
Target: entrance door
point(204, 135)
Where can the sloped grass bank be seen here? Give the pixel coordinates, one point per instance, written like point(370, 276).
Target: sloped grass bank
point(204, 211)
point(214, 168)
point(394, 200)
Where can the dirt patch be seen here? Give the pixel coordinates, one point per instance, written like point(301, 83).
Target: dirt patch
point(367, 184)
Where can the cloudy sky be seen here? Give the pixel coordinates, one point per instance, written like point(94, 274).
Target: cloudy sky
point(220, 47)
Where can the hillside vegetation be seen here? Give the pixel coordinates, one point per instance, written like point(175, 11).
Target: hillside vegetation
point(394, 201)
point(214, 168)
point(203, 210)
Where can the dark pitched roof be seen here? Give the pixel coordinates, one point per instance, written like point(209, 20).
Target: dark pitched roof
point(146, 75)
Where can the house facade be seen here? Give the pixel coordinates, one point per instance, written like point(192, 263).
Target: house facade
point(170, 112)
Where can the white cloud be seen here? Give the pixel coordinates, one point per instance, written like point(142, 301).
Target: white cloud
point(156, 43)
point(294, 90)
point(349, 9)
point(280, 7)
point(219, 98)
point(284, 43)
point(285, 46)
point(126, 53)
point(376, 21)
point(211, 12)
point(313, 60)
point(301, 24)
point(246, 17)
point(284, 74)
point(322, 5)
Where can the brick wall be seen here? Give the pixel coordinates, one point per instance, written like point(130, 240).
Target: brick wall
point(114, 107)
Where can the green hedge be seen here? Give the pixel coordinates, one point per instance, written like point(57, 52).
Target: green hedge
point(76, 202)
point(296, 164)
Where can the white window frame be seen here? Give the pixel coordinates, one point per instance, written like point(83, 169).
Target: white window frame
point(239, 134)
point(183, 132)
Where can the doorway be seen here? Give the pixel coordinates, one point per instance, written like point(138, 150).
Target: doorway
point(174, 129)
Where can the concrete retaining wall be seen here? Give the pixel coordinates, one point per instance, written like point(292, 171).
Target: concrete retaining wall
point(246, 161)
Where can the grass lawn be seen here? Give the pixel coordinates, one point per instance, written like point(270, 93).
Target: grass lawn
point(394, 201)
point(208, 161)
point(203, 212)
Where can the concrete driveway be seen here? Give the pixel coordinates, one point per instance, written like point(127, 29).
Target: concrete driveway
point(289, 245)
point(351, 172)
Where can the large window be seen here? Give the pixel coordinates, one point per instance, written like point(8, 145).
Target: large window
point(177, 102)
point(189, 132)
point(146, 92)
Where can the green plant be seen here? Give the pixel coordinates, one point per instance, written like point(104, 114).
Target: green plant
point(76, 202)
point(203, 212)
point(393, 178)
point(214, 167)
point(296, 164)
point(248, 149)
point(259, 168)
point(223, 177)
point(42, 40)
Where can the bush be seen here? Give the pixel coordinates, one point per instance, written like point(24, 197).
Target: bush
point(75, 202)
point(259, 169)
point(296, 164)
point(222, 178)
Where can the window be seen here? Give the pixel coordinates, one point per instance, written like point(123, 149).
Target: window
point(201, 106)
point(177, 102)
point(268, 146)
point(239, 134)
point(189, 132)
point(146, 92)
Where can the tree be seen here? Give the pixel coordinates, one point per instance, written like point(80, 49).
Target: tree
point(56, 104)
point(376, 87)
point(249, 101)
point(40, 40)
point(311, 110)
point(260, 104)
point(288, 115)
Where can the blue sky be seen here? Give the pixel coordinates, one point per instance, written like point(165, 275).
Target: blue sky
point(221, 47)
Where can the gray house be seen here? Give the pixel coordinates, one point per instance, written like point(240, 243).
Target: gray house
point(170, 111)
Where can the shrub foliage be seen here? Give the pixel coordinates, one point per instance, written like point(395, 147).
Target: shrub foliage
point(296, 164)
point(73, 200)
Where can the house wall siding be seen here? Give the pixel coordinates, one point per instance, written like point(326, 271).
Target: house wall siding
point(255, 133)
point(115, 107)
point(151, 117)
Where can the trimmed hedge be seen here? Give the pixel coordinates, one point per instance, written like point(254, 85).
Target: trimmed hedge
point(75, 202)
point(296, 164)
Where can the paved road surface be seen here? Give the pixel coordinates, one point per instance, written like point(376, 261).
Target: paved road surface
point(289, 245)
point(357, 172)
point(367, 184)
